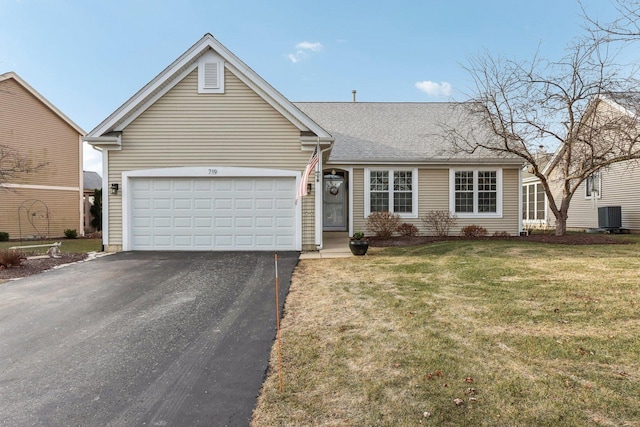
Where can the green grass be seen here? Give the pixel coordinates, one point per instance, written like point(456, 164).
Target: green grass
point(543, 334)
point(68, 245)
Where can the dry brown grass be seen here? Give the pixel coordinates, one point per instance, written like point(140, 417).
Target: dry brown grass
point(536, 334)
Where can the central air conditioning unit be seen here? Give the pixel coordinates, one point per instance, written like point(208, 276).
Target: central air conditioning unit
point(610, 217)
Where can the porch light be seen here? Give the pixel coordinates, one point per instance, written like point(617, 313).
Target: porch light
point(114, 188)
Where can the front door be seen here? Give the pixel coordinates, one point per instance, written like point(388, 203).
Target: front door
point(335, 202)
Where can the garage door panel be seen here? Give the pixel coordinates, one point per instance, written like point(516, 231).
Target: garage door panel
point(244, 185)
point(223, 203)
point(185, 204)
point(182, 185)
point(243, 204)
point(183, 222)
point(161, 204)
point(204, 204)
point(204, 223)
point(244, 222)
point(161, 185)
point(212, 213)
point(162, 222)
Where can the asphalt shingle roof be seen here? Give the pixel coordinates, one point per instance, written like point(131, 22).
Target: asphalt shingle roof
point(391, 132)
point(91, 180)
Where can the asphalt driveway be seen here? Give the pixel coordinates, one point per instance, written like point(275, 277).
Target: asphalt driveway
point(140, 338)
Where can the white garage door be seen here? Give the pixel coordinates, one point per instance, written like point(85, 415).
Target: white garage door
point(228, 213)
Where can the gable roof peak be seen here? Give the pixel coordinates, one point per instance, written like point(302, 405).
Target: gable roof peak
point(139, 102)
point(14, 76)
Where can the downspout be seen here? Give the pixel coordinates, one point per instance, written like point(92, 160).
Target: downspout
point(82, 211)
point(520, 196)
point(319, 197)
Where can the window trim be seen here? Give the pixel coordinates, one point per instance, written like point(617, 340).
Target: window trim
point(414, 190)
point(475, 213)
point(586, 186)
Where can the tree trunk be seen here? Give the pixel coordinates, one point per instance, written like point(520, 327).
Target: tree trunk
point(561, 224)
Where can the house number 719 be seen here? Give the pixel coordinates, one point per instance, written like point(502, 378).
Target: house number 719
point(213, 171)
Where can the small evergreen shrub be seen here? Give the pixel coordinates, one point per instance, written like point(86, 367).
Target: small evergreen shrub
point(473, 231)
point(383, 224)
point(10, 258)
point(501, 234)
point(408, 230)
point(4, 236)
point(439, 222)
point(70, 233)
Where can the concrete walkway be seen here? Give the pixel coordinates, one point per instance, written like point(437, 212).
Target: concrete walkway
point(335, 245)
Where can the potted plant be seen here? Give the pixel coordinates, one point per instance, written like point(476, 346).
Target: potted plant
point(358, 244)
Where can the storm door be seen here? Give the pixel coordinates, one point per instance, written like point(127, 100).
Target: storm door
point(334, 202)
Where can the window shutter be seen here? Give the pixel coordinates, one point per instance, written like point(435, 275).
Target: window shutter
point(211, 75)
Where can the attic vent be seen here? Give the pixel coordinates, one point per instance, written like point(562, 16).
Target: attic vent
point(211, 75)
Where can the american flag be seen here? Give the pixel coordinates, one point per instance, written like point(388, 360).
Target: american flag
point(302, 188)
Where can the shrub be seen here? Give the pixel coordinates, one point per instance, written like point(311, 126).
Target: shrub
point(383, 224)
point(70, 234)
point(473, 231)
point(408, 230)
point(358, 235)
point(501, 234)
point(10, 258)
point(96, 210)
point(439, 222)
point(4, 236)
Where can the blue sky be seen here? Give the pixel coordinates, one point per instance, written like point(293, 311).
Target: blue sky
point(89, 56)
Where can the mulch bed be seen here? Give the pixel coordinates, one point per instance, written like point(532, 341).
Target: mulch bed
point(567, 239)
point(30, 267)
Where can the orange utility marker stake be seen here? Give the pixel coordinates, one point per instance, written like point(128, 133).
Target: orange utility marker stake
point(278, 324)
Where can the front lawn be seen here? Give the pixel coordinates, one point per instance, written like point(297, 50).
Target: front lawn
point(461, 333)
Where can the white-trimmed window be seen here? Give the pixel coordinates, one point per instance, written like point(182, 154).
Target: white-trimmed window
point(392, 190)
point(534, 202)
point(593, 186)
point(210, 73)
point(476, 192)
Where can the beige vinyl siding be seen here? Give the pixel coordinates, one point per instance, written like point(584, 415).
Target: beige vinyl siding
point(309, 219)
point(184, 128)
point(620, 187)
point(434, 196)
point(64, 212)
point(40, 135)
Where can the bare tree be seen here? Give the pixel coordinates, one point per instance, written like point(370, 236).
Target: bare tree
point(13, 164)
point(548, 106)
point(625, 27)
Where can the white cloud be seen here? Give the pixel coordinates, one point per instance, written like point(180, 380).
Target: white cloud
point(92, 159)
point(304, 50)
point(315, 47)
point(434, 89)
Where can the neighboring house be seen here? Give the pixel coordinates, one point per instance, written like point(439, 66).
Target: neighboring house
point(617, 185)
point(47, 201)
point(92, 182)
point(209, 156)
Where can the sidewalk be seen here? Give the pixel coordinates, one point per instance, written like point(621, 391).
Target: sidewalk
point(335, 245)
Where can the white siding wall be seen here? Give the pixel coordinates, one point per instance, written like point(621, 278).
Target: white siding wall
point(620, 187)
